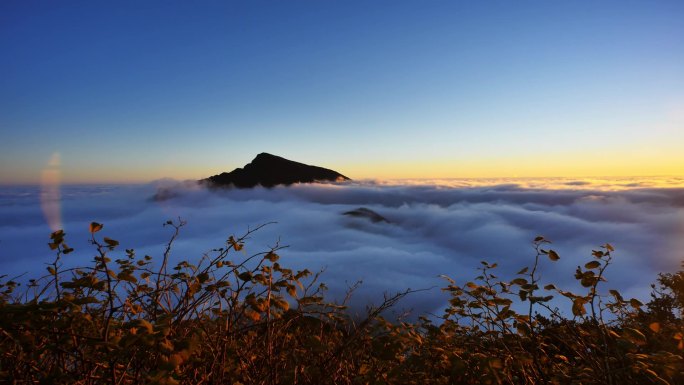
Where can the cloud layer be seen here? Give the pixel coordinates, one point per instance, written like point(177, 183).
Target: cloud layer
point(435, 228)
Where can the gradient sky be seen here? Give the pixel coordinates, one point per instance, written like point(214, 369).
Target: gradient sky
point(141, 90)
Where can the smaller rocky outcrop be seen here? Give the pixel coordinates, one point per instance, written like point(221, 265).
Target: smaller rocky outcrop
point(366, 213)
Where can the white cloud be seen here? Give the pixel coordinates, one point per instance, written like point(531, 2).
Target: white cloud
point(433, 230)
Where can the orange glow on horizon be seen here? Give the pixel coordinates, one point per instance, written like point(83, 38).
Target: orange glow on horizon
point(541, 166)
point(587, 165)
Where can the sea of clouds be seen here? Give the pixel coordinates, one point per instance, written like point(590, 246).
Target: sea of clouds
point(435, 227)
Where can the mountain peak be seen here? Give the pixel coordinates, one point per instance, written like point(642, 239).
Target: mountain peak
point(266, 157)
point(270, 170)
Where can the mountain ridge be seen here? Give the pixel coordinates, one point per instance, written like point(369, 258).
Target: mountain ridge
point(269, 170)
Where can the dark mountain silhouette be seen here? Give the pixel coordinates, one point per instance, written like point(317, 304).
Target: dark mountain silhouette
point(269, 170)
point(366, 213)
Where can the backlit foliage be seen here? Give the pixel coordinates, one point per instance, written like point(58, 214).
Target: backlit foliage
point(236, 318)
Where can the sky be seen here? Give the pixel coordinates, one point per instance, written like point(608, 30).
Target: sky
point(132, 91)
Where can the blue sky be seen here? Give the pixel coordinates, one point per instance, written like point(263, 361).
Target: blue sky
point(135, 91)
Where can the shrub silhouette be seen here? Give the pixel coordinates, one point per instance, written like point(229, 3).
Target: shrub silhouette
point(234, 318)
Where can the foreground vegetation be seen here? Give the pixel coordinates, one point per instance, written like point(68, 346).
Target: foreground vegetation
point(232, 318)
